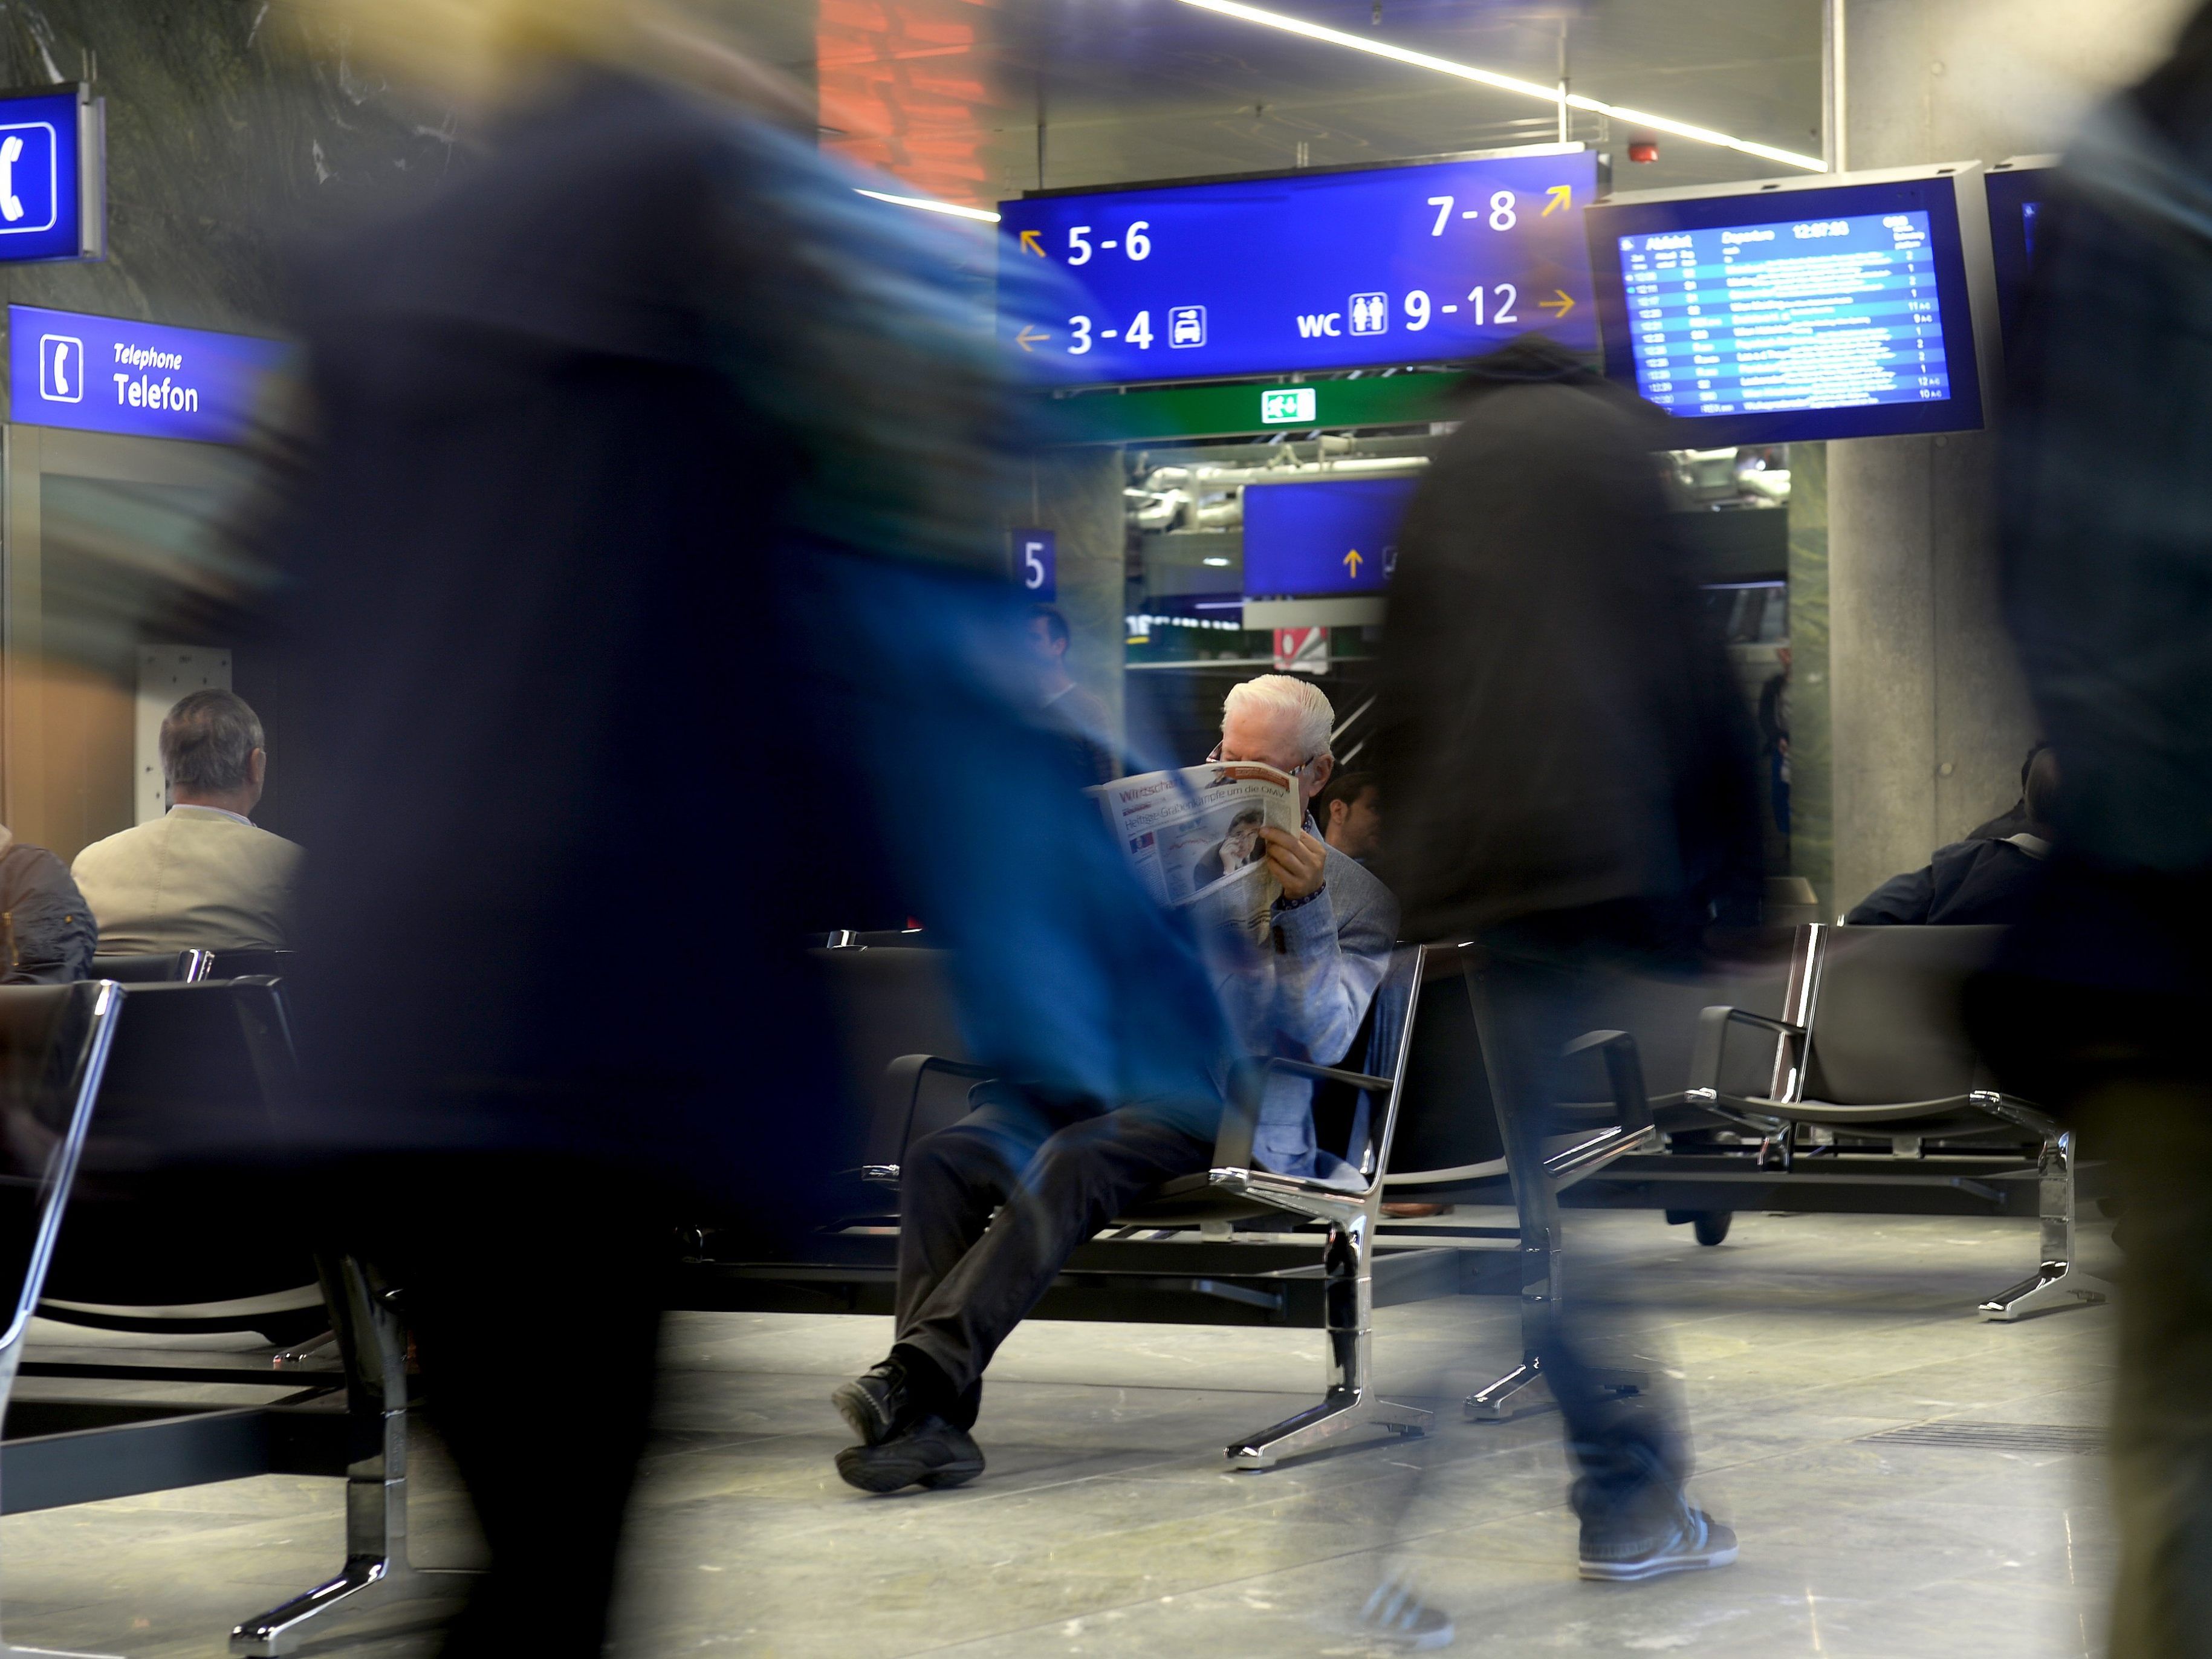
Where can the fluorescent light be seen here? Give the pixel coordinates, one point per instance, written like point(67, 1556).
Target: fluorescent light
point(1635, 118)
point(929, 206)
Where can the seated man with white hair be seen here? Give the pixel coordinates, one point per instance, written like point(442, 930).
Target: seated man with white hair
point(1334, 926)
point(991, 1207)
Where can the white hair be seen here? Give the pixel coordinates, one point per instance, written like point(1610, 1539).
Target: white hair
point(1286, 694)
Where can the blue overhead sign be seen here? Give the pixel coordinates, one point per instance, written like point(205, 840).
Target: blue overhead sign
point(110, 374)
point(1323, 538)
point(52, 174)
point(1307, 271)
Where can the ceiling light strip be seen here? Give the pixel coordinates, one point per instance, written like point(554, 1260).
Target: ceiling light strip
point(1634, 118)
point(929, 206)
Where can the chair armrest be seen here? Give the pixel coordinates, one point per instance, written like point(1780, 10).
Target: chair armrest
point(1334, 1074)
point(1624, 1071)
point(1240, 1116)
point(1712, 1039)
point(906, 1073)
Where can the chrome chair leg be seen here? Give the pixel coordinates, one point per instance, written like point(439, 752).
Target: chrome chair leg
point(1521, 1392)
point(1351, 1402)
point(377, 1572)
point(2055, 1282)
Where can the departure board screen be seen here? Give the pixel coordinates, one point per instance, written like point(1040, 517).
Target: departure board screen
point(1820, 313)
point(1318, 269)
point(1775, 314)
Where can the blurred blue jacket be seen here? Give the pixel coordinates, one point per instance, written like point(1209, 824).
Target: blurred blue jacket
point(646, 538)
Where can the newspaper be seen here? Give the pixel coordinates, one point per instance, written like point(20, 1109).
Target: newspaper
point(1193, 836)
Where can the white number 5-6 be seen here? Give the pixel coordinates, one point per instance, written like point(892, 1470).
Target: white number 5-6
point(1032, 566)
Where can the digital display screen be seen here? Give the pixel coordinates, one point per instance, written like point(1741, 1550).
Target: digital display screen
point(1831, 312)
point(1315, 269)
point(2016, 196)
point(1329, 537)
point(1818, 313)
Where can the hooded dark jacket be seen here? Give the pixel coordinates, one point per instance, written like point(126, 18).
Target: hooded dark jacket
point(1561, 731)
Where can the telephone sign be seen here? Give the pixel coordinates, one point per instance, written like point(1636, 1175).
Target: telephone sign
point(54, 165)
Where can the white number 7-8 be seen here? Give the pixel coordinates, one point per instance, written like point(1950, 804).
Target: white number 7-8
point(1443, 204)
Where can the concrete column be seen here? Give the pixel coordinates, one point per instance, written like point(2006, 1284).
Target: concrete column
point(1929, 718)
point(1077, 496)
point(1811, 788)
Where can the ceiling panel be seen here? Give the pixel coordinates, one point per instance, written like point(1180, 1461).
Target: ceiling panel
point(953, 95)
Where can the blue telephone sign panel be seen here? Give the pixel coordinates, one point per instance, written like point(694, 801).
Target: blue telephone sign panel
point(51, 195)
point(143, 380)
point(1307, 271)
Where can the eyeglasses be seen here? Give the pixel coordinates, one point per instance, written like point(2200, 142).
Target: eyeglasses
point(1297, 771)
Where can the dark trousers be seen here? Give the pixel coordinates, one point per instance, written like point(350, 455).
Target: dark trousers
point(532, 1287)
point(1542, 981)
point(1054, 1174)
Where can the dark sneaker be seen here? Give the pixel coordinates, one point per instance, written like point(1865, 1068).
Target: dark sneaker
point(1395, 1617)
point(1695, 1540)
point(932, 1454)
point(876, 1403)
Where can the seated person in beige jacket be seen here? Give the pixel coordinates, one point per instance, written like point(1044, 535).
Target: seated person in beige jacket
point(201, 877)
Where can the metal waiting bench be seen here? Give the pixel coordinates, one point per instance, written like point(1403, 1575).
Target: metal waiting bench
point(1150, 1267)
point(1869, 1100)
point(108, 1070)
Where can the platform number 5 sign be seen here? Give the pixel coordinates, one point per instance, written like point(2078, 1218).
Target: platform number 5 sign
point(1037, 565)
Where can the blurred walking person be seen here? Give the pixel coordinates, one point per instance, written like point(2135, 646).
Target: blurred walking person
point(1571, 777)
point(648, 378)
point(2105, 991)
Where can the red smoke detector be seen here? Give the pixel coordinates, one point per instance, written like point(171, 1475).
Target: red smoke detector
point(1643, 149)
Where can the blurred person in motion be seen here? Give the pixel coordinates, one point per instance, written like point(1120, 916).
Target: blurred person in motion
point(1576, 824)
point(47, 934)
point(648, 368)
point(2099, 1002)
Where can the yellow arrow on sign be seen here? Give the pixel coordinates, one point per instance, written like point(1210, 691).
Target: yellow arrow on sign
point(1563, 305)
point(1028, 337)
point(1563, 196)
point(1031, 242)
point(1351, 561)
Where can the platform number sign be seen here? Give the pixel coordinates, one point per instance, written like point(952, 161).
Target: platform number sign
point(1036, 564)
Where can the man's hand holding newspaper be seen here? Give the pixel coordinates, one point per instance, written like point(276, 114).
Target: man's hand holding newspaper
point(1226, 838)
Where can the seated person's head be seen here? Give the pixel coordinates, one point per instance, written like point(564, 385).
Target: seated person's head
point(1283, 721)
point(1351, 817)
point(2039, 789)
point(212, 753)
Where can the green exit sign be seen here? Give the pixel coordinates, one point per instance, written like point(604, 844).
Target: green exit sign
point(1286, 405)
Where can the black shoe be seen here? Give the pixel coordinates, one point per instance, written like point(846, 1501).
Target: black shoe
point(932, 1454)
point(876, 1403)
point(1694, 1541)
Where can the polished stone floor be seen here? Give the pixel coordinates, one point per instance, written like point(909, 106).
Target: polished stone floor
point(1106, 1525)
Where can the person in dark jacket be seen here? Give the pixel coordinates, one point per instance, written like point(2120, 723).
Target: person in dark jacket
point(2100, 1000)
point(45, 926)
point(649, 363)
point(1982, 879)
point(1573, 823)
